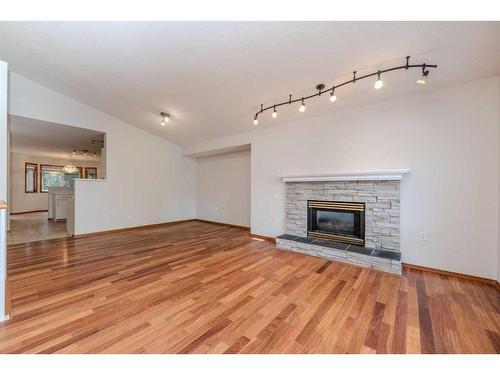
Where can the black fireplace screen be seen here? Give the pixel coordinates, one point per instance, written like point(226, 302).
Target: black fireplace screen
point(339, 221)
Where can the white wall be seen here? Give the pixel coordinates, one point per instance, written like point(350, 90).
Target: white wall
point(23, 202)
point(223, 188)
point(498, 256)
point(4, 153)
point(448, 138)
point(148, 181)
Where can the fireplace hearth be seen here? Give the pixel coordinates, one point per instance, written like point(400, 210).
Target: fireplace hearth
point(338, 221)
point(350, 220)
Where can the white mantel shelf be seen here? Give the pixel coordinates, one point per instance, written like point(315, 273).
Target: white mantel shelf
point(382, 175)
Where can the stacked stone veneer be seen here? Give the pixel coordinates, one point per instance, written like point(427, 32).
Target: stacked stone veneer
point(388, 261)
point(381, 207)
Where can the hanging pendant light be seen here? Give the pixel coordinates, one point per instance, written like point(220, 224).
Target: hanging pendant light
point(70, 169)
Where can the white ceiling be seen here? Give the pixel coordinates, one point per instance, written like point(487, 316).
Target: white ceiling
point(212, 76)
point(35, 137)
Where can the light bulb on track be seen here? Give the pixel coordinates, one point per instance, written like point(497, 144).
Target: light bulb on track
point(378, 83)
point(333, 97)
point(275, 114)
point(255, 121)
point(302, 107)
point(422, 80)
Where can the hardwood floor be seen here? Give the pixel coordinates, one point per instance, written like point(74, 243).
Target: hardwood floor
point(201, 288)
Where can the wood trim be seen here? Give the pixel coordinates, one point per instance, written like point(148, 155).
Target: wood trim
point(85, 235)
point(267, 238)
point(27, 212)
point(453, 274)
point(223, 224)
point(8, 305)
point(35, 177)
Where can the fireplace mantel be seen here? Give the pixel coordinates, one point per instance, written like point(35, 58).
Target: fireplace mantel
point(380, 175)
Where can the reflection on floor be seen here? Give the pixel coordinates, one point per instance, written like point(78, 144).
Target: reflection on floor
point(34, 227)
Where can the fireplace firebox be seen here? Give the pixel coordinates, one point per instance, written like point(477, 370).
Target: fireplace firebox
point(339, 221)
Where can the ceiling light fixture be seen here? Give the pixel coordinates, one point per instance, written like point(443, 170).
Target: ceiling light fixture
point(321, 88)
point(378, 83)
point(165, 118)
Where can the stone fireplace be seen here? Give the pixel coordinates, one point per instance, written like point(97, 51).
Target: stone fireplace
point(353, 217)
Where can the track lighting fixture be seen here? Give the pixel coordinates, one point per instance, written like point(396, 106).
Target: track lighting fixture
point(83, 152)
point(378, 83)
point(165, 118)
point(302, 107)
point(321, 88)
point(255, 120)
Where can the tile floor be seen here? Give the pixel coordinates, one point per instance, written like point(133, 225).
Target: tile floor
point(34, 227)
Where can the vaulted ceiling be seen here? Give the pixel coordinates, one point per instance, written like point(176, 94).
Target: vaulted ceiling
point(212, 76)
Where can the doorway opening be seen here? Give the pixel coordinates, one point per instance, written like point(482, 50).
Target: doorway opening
point(45, 160)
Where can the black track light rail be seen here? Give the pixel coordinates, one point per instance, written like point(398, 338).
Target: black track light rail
point(353, 80)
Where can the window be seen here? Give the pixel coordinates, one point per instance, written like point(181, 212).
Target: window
point(54, 176)
point(30, 177)
point(91, 172)
point(51, 176)
point(69, 177)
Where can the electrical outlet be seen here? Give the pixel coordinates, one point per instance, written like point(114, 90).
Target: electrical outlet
point(216, 208)
point(422, 236)
point(276, 195)
point(276, 220)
